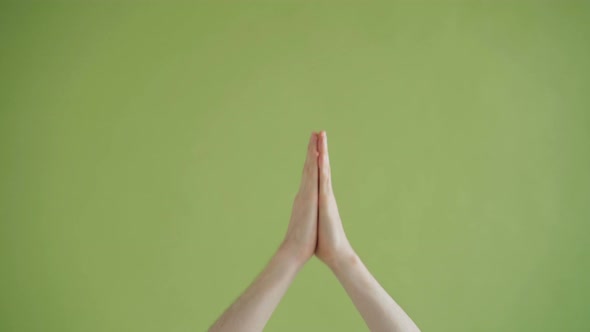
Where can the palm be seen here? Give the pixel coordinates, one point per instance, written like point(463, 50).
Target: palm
point(332, 240)
point(302, 231)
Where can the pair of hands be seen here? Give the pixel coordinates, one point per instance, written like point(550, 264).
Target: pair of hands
point(315, 226)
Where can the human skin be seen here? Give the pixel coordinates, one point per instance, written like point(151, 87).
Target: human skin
point(251, 311)
point(315, 227)
point(378, 309)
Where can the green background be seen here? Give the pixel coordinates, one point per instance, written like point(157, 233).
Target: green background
point(150, 153)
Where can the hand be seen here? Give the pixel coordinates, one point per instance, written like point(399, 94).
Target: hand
point(322, 232)
point(333, 247)
point(301, 238)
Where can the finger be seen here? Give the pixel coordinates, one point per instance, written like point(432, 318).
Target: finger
point(324, 164)
point(310, 168)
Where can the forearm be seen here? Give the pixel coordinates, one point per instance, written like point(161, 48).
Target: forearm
point(251, 311)
point(378, 309)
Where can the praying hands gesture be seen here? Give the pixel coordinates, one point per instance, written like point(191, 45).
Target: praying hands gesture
point(314, 228)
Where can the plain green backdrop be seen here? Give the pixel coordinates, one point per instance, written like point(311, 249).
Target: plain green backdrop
point(150, 153)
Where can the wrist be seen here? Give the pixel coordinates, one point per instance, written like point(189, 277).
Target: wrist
point(344, 260)
point(291, 255)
